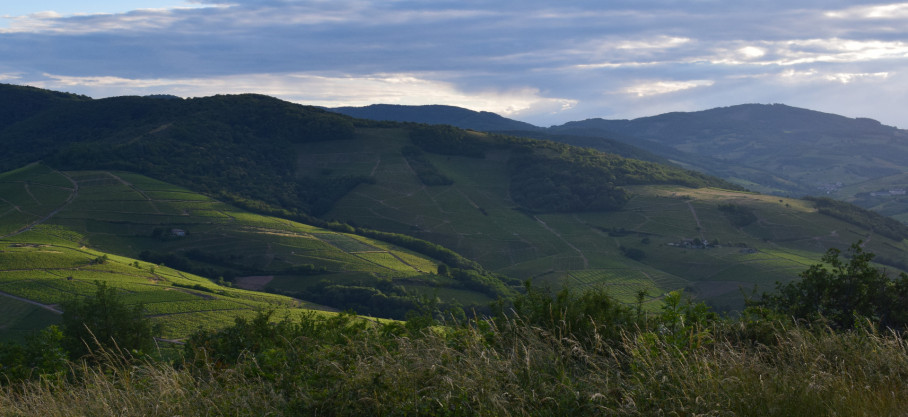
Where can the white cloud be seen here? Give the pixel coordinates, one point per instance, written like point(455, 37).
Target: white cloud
point(51, 22)
point(525, 58)
point(653, 88)
point(813, 75)
point(661, 42)
point(320, 90)
point(885, 11)
point(752, 52)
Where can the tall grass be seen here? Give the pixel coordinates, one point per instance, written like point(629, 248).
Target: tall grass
point(506, 367)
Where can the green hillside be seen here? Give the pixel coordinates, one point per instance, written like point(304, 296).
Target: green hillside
point(519, 208)
point(166, 247)
point(43, 263)
point(476, 217)
point(768, 148)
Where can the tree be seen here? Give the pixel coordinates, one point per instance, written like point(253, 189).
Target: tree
point(40, 355)
point(105, 321)
point(846, 291)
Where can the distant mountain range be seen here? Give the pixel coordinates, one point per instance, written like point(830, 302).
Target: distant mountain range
point(774, 148)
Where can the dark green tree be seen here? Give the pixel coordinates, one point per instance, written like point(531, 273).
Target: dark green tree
point(41, 355)
point(105, 320)
point(843, 292)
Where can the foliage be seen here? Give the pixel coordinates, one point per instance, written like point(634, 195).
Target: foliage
point(738, 215)
point(42, 354)
point(556, 185)
point(587, 316)
point(376, 298)
point(427, 173)
point(105, 321)
point(448, 140)
point(857, 216)
point(424, 247)
point(566, 354)
point(242, 143)
point(845, 294)
point(548, 177)
point(633, 253)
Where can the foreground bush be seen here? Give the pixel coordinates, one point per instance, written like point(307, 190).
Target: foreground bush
point(509, 367)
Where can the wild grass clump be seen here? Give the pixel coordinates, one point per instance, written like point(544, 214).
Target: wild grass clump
point(571, 354)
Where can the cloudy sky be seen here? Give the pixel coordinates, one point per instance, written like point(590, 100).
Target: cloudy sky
point(544, 62)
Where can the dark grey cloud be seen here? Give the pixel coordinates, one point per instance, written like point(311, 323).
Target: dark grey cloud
point(541, 61)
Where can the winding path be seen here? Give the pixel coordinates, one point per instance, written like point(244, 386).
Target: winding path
point(586, 262)
point(26, 300)
point(697, 219)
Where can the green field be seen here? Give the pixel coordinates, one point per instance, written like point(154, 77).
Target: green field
point(476, 218)
point(50, 251)
point(79, 215)
point(40, 269)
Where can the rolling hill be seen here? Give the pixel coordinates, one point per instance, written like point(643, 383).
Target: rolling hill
point(44, 260)
point(376, 216)
point(772, 148)
point(171, 249)
point(775, 149)
point(436, 115)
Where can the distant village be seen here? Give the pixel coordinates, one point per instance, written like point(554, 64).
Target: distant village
point(888, 193)
point(697, 243)
point(830, 187)
point(833, 187)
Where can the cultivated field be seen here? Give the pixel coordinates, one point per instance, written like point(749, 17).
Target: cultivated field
point(476, 217)
point(62, 231)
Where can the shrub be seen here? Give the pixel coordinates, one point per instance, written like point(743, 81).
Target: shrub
point(844, 294)
point(105, 321)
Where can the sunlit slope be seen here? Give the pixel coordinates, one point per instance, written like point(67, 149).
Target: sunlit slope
point(476, 217)
point(44, 261)
point(155, 223)
point(45, 266)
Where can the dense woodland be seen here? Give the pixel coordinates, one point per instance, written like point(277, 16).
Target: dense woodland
point(243, 145)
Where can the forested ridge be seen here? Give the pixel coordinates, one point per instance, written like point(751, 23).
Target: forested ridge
point(244, 145)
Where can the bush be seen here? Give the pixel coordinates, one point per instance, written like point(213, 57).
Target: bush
point(845, 294)
point(105, 321)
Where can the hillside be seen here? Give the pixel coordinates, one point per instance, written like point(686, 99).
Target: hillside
point(774, 149)
point(436, 115)
point(491, 122)
point(649, 244)
point(45, 260)
point(485, 210)
point(175, 251)
point(771, 148)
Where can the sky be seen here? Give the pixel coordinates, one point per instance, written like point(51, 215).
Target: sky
point(542, 62)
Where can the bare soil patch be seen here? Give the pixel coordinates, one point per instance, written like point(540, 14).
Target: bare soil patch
point(254, 282)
